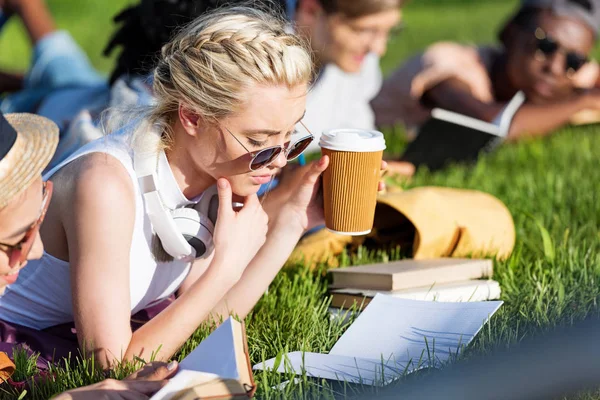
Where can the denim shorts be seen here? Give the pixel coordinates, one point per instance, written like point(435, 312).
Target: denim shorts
point(57, 63)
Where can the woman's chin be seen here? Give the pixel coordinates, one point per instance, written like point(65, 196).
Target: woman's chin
point(245, 189)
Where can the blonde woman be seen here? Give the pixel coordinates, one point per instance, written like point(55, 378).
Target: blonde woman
point(230, 88)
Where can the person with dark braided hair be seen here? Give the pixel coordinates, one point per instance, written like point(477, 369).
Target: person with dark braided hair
point(63, 86)
point(145, 28)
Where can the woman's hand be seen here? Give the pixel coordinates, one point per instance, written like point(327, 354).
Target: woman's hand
point(306, 202)
point(238, 234)
point(140, 385)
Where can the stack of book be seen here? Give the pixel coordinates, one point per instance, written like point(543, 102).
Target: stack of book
point(444, 279)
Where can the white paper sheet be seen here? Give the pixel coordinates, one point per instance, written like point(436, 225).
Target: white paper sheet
point(392, 334)
point(341, 368)
point(396, 327)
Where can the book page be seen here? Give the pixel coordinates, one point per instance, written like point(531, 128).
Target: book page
point(472, 290)
point(339, 368)
point(213, 358)
point(391, 327)
point(215, 354)
point(183, 380)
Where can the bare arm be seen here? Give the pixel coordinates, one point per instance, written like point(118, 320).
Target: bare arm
point(99, 252)
point(530, 119)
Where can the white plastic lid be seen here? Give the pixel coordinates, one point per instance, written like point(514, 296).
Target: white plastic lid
point(352, 140)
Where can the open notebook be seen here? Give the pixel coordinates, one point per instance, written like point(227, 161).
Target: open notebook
point(218, 368)
point(449, 137)
point(390, 337)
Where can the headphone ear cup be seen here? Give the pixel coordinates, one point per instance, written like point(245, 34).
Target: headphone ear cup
point(209, 204)
point(196, 228)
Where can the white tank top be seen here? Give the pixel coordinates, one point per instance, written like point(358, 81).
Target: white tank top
point(41, 297)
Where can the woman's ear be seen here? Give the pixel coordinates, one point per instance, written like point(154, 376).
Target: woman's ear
point(189, 119)
point(308, 12)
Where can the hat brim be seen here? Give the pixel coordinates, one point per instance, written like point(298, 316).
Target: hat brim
point(37, 138)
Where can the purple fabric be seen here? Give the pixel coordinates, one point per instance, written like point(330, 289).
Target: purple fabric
point(56, 343)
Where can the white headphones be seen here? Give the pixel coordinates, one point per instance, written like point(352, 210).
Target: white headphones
point(183, 232)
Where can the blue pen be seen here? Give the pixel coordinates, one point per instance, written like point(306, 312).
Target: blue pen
point(301, 159)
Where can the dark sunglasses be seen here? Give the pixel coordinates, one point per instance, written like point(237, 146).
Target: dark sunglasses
point(17, 253)
point(265, 157)
point(549, 46)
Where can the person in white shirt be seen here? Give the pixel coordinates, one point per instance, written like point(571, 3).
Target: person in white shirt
point(347, 38)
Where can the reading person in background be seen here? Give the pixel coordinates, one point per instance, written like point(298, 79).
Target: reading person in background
point(543, 60)
point(347, 38)
point(24, 199)
point(229, 89)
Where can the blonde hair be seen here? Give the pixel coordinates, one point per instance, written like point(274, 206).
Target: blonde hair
point(209, 64)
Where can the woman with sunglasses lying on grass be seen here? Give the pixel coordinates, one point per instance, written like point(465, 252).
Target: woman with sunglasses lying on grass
point(545, 50)
point(230, 88)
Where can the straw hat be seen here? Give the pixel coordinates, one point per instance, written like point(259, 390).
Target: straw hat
point(27, 144)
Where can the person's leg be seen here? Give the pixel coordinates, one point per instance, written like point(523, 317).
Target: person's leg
point(57, 61)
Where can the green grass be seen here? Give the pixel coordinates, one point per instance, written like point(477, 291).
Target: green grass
point(550, 185)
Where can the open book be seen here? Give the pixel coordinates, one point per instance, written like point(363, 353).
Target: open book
point(390, 337)
point(218, 368)
point(449, 137)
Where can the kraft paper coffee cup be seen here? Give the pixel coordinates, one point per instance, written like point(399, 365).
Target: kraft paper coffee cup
point(350, 182)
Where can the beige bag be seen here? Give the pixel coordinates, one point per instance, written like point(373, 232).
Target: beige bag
point(431, 221)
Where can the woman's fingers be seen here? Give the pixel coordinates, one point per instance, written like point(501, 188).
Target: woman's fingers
point(155, 371)
point(225, 202)
point(401, 168)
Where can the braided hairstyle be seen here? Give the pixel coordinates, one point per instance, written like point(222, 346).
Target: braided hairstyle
point(146, 26)
point(210, 64)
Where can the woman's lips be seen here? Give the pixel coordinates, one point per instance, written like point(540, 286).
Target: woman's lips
point(544, 89)
point(359, 59)
point(10, 279)
point(261, 179)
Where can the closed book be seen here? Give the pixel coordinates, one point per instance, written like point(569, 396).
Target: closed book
point(472, 290)
point(406, 274)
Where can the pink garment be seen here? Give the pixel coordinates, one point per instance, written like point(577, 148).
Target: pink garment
point(399, 100)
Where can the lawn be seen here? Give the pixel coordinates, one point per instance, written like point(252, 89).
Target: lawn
point(550, 185)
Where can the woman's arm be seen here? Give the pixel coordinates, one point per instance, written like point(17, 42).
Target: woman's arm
point(99, 251)
point(294, 216)
point(530, 119)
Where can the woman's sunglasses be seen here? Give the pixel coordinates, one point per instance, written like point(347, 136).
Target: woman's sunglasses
point(548, 46)
point(265, 157)
point(17, 253)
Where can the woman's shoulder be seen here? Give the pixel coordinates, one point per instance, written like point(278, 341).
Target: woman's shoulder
point(94, 177)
